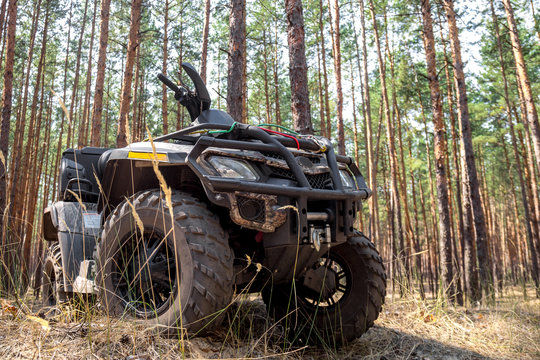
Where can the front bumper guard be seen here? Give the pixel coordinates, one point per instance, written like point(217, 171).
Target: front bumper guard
point(301, 193)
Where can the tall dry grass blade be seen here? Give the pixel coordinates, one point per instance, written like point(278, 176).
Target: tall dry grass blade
point(136, 216)
point(64, 108)
point(168, 200)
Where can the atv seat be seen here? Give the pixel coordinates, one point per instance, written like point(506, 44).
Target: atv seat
point(79, 174)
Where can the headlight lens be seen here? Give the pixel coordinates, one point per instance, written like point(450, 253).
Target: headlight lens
point(347, 180)
point(233, 168)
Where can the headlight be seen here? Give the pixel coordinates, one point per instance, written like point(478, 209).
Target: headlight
point(233, 168)
point(347, 180)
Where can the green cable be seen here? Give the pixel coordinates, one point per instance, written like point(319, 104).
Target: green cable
point(281, 127)
point(223, 131)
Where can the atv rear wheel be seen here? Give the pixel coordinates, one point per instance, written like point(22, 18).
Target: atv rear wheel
point(169, 274)
point(348, 299)
point(52, 284)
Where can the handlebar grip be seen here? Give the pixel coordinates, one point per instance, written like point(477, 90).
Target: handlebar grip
point(169, 83)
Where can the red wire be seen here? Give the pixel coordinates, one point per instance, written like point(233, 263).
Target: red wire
point(280, 133)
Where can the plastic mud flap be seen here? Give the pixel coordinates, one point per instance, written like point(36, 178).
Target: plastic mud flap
point(77, 227)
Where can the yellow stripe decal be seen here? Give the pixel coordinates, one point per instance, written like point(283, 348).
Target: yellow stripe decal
point(147, 156)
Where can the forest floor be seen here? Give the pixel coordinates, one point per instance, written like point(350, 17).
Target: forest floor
point(406, 329)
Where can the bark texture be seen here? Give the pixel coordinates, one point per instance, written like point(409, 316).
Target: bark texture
point(100, 77)
point(125, 100)
point(298, 67)
point(7, 93)
point(523, 79)
point(445, 235)
point(206, 30)
point(472, 202)
point(237, 49)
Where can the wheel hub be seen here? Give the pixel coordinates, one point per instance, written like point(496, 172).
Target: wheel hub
point(147, 273)
point(321, 281)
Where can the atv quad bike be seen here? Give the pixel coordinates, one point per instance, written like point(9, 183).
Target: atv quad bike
point(250, 209)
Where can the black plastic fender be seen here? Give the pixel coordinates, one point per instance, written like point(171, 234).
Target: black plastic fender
point(76, 227)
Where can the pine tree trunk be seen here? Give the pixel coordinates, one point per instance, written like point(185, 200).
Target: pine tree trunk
point(337, 72)
point(535, 206)
point(6, 256)
point(236, 62)
point(100, 76)
point(3, 19)
point(471, 196)
point(457, 167)
point(83, 140)
point(301, 112)
point(18, 173)
point(265, 68)
point(355, 125)
point(372, 178)
point(523, 79)
point(320, 90)
point(445, 236)
point(534, 19)
point(531, 239)
point(206, 30)
point(325, 71)
point(179, 107)
point(135, 117)
point(75, 86)
point(164, 88)
point(396, 203)
point(32, 146)
point(276, 77)
point(125, 99)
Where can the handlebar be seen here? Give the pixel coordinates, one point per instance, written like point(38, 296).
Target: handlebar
point(168, 83)
point(195, 101)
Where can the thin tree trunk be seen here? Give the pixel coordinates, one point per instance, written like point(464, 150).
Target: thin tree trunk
point(125, 100)
point(276, 76)
point(320, 90)
point(416, 241)
point(3, 19)
point(337, 72)
point(206, 30)
point(355, 125)
point(325, 72)
point(471, 196)
point(86, 108)
point(97, 110)
point(6, 255)
point(457, 167)
point(135, 118)
point(18, 173)
point(523, 79)
point(179, 107)
point(534, 19)
point(445, 236)
point(266, 90)
point(32, 146)
point(530, 238)
point(390, 130)
point(535, 211)
point(164, 88)
point(372, 179)
point(75, 85)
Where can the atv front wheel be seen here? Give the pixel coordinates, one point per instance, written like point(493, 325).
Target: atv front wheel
point(171, 274)
point(339, 298)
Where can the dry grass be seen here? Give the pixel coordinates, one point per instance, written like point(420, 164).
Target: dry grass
point(407, 329)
